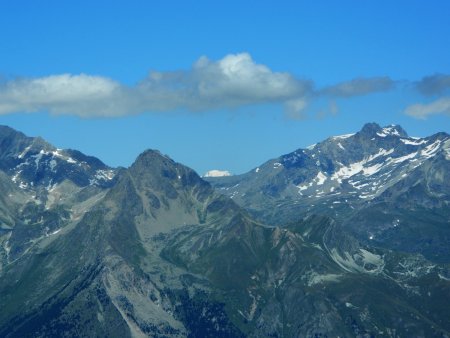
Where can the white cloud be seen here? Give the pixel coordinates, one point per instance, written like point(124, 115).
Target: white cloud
point(72, 94)
point(233, 81)
point(422, 111)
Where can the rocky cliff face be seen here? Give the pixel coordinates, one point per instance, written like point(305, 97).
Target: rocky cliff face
point(157, 251)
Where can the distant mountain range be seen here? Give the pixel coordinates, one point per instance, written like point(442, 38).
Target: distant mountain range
point(350, 237)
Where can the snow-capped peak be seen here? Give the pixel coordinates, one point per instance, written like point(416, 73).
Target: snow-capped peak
point(217, 173)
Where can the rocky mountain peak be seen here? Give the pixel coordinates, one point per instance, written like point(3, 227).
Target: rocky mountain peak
point(370, 128)
point(154, 163)
point(6, 131)
point(32, 162)
point(373, 129)
point(160, 172)
point(149, 156)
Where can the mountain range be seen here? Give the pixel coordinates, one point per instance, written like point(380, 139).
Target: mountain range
point(349, 237)
point(400, 183)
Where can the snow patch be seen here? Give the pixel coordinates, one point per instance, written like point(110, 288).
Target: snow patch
point(342, 137)
point(431, 150)
point(413, 142)
point(53, 165)
point(372, 169)
point(355, 185)
point(53, 233)
point(443, 277)
point(23, 153)
point(102, 175)
point(357, 167)
point(58, 153)
point(277, 165)
point(320, 178)
point(314, 278)
point(389, 131)
point(362, 261)
point(403, 158)
point(38, 158)
point(16, 175)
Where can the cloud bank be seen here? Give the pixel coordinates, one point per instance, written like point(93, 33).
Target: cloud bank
point(231, 82)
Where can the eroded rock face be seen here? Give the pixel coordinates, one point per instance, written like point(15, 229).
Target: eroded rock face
point(156, 251)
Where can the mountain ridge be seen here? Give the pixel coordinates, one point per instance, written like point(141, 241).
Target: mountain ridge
point(353, 175)
point(159, 252)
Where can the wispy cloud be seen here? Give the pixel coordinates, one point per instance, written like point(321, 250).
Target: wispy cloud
point(434, 85)
point(423, 111)
point(295, 108)
point(360, 86)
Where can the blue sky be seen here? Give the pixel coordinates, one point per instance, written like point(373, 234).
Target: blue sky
point(220, 85)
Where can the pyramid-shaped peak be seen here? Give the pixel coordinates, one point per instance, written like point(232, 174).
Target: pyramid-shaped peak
point(153, 162)
point(370, 128)
point(151, 156)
